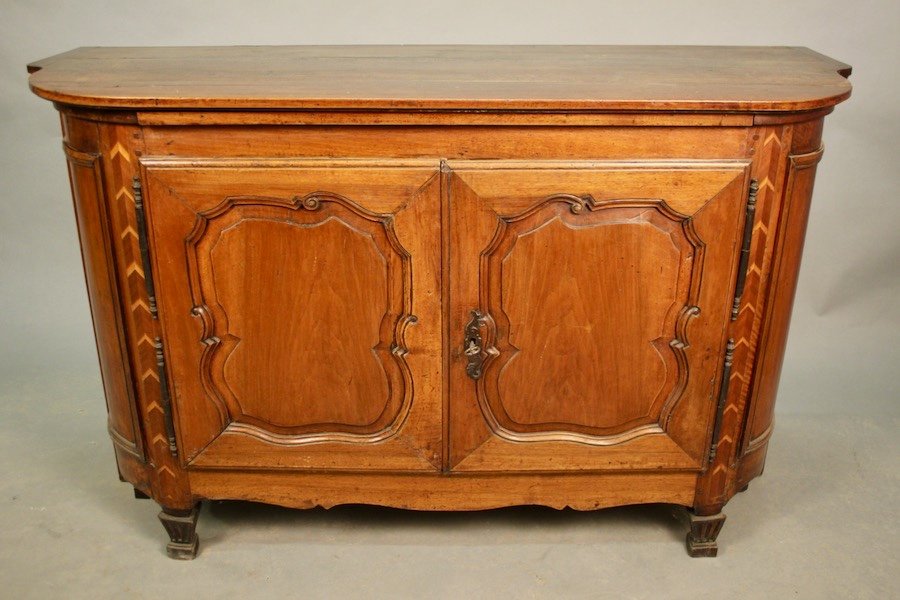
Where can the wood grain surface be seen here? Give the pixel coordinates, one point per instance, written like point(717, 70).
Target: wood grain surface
point(294, 336)
point(605, 309)
point(505, 78)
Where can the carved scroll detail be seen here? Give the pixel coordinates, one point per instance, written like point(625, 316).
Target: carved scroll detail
point(678, 226)
point(219, 343)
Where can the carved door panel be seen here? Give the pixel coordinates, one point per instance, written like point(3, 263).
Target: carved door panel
point(301, 323)
point(588, 311)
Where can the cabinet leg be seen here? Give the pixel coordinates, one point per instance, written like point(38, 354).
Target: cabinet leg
point(701, 539)
point(181, 526)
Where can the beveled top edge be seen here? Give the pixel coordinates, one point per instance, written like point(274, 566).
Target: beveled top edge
point(445, 78)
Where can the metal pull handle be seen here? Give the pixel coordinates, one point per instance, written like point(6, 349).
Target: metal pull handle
point(473, 346)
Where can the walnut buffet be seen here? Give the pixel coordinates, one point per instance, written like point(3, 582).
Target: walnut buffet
point(441, 278)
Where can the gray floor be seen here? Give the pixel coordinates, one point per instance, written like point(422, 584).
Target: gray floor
point(821, 523)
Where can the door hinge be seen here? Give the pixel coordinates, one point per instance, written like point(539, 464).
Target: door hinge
point(141, 221)
point(745, 249)
point(165, 399)
point(723, 396)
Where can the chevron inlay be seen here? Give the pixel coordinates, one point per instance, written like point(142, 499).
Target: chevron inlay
point(129, 231)
point(119, 150)
point(126, 193)
point(141, 303)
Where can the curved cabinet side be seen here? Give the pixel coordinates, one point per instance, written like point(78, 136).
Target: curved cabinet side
point(81, 144)
point(119, 143)
point(806, 151)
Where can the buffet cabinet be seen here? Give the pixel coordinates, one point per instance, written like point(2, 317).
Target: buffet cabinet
point(441, 278)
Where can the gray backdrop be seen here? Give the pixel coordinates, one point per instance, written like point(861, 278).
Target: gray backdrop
point(821, 524)
point(843, 347)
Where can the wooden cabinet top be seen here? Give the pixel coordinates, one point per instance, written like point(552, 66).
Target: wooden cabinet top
point(452, 78)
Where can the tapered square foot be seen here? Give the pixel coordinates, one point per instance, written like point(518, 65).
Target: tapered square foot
point(701, 539)
point(181, 526)
point(181, 551)
point(700, 549)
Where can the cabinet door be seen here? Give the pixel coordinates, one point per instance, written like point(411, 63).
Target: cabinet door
point(589, 305)
point(299, 310)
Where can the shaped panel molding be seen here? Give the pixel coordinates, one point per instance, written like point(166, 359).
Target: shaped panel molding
point(561, 281)
point(336, 369)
